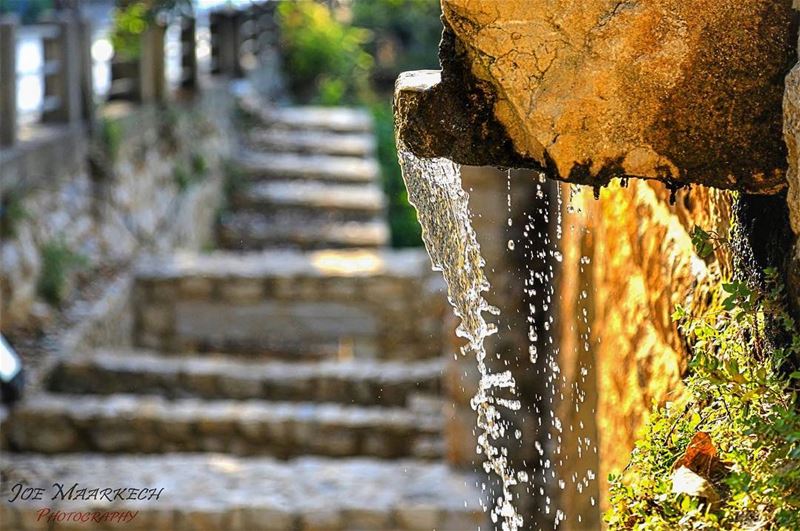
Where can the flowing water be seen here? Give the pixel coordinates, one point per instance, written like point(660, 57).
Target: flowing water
point(434, 188)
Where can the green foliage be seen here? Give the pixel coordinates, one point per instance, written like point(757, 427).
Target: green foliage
point(12, 211)
point(742, 391)
point(406, 35)
point(182, 177)
point(198, 164)
point(185, 175)
point(58, 263)
point(324, 59)
point(110, 136)
point(128, 26)
point(132, 18)
point(705, 243)
point(403, 223)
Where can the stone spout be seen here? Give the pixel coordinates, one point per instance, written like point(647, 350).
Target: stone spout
point(682, 91)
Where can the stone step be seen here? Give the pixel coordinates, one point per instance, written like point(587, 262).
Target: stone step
point(54, 423)
point(274, 165)
point(312, 142)
point(253, 231)
point(333, 119)
point(362, 382)
point(221, 492)
point(353, 202)
point(379, 304)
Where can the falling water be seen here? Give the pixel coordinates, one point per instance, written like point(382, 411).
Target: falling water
point(434, 188)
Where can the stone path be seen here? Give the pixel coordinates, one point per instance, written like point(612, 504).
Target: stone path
point(288, 382)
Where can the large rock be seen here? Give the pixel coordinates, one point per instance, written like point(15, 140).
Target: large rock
point(685, 91)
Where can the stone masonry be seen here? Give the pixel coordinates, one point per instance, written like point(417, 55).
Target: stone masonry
point(290, 381)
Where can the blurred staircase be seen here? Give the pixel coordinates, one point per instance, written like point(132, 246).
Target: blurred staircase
point(309, 180)
point(288, 382)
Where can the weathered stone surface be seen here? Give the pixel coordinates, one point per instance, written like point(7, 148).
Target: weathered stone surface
point(681, 91)
point(372, 303)
point(120, 423)
point(791, 133)
point(258, 494)
point(312, 197)
point(628, 260)
point(331, 119)
point(249, 230)
point(364, 382)
point(261, 165)
point(303, 141)
point(133, 207)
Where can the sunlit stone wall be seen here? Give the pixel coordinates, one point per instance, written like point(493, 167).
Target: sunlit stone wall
point(639, 263)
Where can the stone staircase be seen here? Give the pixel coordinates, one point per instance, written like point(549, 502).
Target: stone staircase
point(310, 182)
point(290, 381)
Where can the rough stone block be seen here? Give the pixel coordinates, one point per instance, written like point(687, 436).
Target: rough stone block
point(267, 518)
point(685, 91)
point(367, 518)
point(242, 290)
point(417, 516)
point(322, 519)
point(156, 318)
point(196, 287)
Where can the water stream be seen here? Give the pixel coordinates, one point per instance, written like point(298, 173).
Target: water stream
point(434, 188)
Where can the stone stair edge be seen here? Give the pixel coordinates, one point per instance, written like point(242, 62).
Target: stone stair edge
point(354, 262)
point(312, 195)
point(123, 355)
point(250, 493)
point(53, 423)
point(255, 230)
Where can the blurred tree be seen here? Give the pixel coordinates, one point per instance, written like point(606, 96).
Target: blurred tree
point(324, 60)
point(406, 36)
point(131, 18)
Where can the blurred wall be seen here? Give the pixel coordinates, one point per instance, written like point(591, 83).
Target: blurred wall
point(149, 179)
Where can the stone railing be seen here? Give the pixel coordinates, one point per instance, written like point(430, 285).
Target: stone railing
point(106, 182)
point(237, 39)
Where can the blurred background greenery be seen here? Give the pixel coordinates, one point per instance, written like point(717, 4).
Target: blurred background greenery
point(350, 53)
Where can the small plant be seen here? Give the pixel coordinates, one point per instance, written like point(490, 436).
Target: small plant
point(185, 176)
point(181, 177)
point(110, 137)
point(742, 391)
point(198, 164)
point(58, 263)
point(705, 243)
point(12, 212)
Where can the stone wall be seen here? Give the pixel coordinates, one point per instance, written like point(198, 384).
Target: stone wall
point(637, 262)
point(148, 179)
